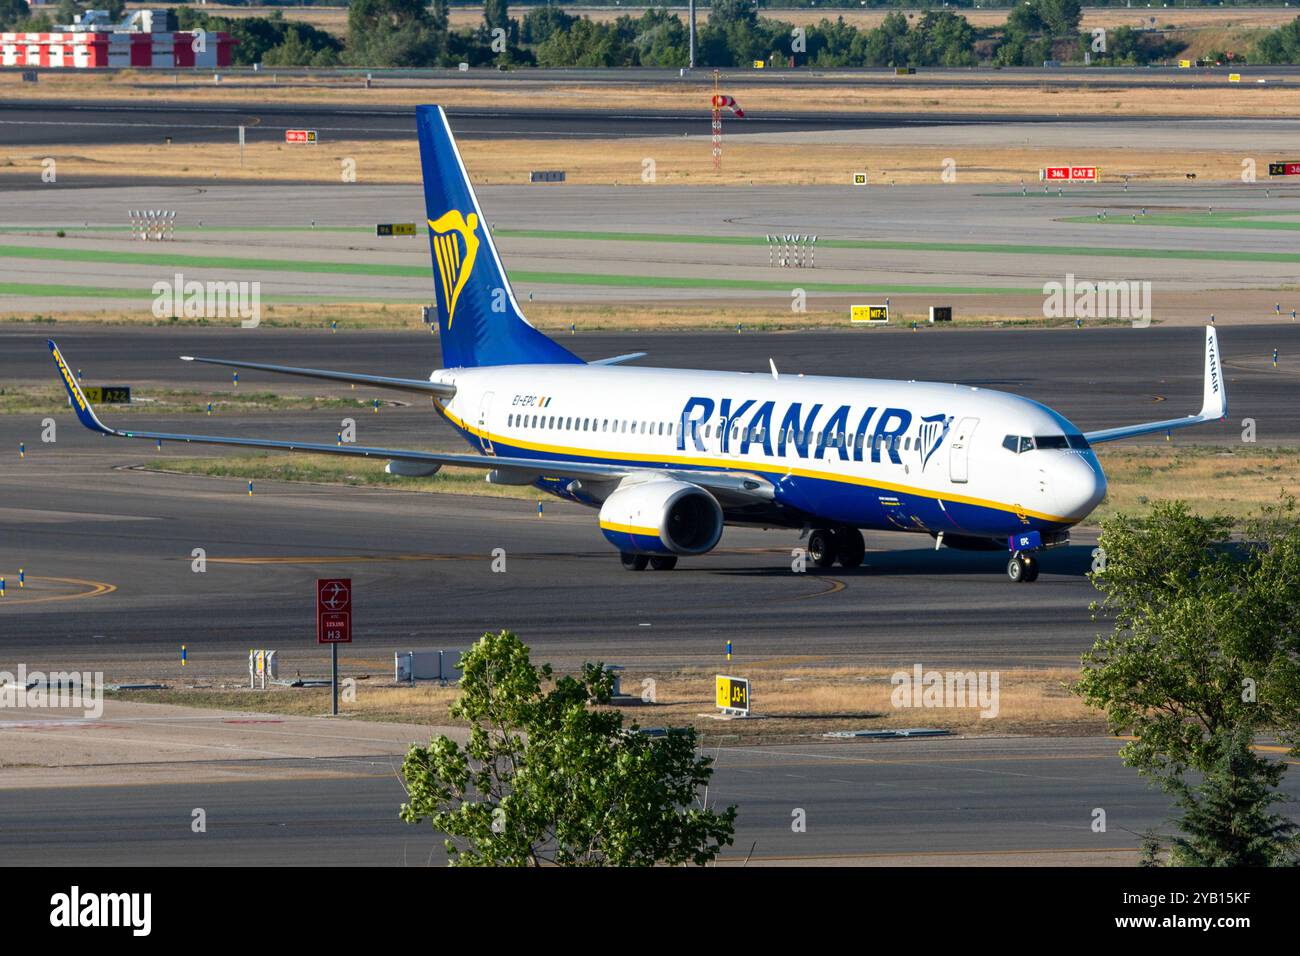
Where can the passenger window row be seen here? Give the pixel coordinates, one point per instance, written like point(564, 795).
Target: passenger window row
point(570, 424)
point(751, 435)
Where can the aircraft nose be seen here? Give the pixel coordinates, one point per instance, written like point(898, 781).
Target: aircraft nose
point(1079, 485)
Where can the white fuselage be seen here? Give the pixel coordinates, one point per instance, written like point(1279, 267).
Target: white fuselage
point(866, 452)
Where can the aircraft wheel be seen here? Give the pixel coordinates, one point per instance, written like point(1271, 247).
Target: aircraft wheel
point(1016, 569)
point(852, 549)
point(663, 562)
point(822, 547)
point(1031, 570)
point(633, 562)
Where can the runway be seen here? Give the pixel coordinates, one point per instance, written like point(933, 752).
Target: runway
point(422, 562)
point(40, 122)
point(107, 122)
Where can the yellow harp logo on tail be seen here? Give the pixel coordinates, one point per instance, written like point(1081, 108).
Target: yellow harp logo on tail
point(455, 245)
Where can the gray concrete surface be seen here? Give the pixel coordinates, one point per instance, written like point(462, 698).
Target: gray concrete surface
point(974, 801)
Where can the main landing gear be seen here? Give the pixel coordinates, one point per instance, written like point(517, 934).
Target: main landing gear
point(639, 562)
point(1022, 568)
point(843, 544)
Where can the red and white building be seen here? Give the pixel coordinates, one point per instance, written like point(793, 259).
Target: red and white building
point(142, 41)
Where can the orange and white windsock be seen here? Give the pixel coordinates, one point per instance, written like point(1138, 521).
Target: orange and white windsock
point(721, 101)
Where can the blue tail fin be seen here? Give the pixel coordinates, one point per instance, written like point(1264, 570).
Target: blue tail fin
point(478, 317)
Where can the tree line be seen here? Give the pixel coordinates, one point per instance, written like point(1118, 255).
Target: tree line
point(413, 33)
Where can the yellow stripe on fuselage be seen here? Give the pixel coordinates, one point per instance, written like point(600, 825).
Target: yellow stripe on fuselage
point(732, 465)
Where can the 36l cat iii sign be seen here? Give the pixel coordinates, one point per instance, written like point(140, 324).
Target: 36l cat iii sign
point(1070, 174)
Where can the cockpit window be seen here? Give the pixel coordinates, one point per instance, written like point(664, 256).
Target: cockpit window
point(1078, 442)
point(1050, 441)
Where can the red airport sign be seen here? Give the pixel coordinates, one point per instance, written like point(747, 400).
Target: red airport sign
point(334, 611)
point(300, 136)
point(1284, 169)
point(1071, 174)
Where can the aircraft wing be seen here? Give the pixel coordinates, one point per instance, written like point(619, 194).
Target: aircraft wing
point(730, 484)
point(618, 359)
point(379, 381)
point(1214, 405)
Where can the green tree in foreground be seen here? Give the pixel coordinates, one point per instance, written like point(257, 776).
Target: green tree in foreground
point(549, 778)
point(1205, 648)
point(1227, 819)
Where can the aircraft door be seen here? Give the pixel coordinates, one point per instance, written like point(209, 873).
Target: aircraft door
point(484, 437)
point(959, 456)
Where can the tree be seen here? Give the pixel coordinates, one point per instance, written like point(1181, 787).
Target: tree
point(496, 14)
point(68, 11)
point(1205, 651)
point(660, 38)
point(1205, 635)
point(547, 776)
point(13, 12)
point(402, 33)
point(541, 22)
point(1226, 819)
point(586, 44)
point(1281, 45)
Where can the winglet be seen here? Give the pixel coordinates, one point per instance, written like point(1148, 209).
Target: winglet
point(76, 396)
point(1215, 404)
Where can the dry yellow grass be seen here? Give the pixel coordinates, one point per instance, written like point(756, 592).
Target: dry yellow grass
point(330, 469)
point(678, 161)
point(534, 90)
point(1234, 480)
point(362, 315)
point(792, 701)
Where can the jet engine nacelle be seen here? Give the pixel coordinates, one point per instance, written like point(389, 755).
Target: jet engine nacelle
point(661, 516)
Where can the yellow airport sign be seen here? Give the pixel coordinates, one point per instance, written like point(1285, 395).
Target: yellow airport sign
point(1184, 64)
point(108, 394)
point(869, 313)
point(760, 64)
point(731, 693)
point(1234, 77)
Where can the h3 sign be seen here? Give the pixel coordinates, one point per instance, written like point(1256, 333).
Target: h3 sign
point(334, 611)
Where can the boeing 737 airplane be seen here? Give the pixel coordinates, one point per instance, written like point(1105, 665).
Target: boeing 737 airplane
point(670, 457)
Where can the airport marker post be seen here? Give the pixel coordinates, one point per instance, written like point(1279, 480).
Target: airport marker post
point(334, 625)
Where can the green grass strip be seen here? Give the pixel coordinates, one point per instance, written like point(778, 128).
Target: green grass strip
point(104, 292)
point(1197, 221)
point(542, 278)
point(985, 247)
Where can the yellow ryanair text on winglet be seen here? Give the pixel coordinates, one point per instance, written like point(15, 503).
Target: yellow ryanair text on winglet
point(71, 382)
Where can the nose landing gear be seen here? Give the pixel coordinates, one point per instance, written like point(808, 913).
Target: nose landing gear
point(1022, 568)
